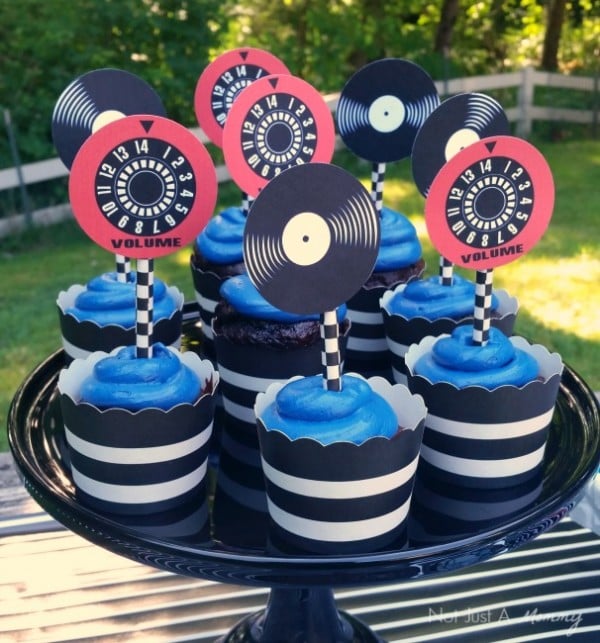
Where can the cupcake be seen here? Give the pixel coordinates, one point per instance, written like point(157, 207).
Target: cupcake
point(138, 429)
point(427, 307)
point(339, 465)
point(217, 255)
point(101, 315)
point(398, 262)
point(489, 407)
point(257, 344)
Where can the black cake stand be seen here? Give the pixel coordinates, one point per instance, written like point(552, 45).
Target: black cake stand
point(301, 605)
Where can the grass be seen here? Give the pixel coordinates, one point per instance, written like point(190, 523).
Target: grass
point(556, 283)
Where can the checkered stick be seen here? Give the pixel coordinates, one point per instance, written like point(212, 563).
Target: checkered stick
point(144, 303)
point(330, 355)
point(123, 268)
point(246, 203)
point(446, 271)
point(377, 180)
point(483, 307)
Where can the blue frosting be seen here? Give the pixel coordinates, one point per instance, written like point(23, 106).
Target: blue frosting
point(428, 298)
point(129, 382)
point(107, 300)
point(242, 294)
point(457, 360)
point(304, 408)
point(400, 246)
point(221, 240)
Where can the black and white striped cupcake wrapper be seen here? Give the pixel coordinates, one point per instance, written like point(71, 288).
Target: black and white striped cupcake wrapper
point(441, 512)
point(248, 369)
point(401, 332)
point(342, 497)
point(367, 351)
point(137, 462)
point(482, 438)
point(207, 287)
point(82, 338)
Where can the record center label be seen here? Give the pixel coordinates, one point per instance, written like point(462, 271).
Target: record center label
point(145, 187)
point(279, 131)
point(490, 202)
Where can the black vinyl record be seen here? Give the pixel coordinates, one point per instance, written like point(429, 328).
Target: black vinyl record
point(311, 238)
point(382, 106)
point(457, 123)
point(95, 99)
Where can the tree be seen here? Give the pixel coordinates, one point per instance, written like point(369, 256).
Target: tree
point(443, 35)
point(554, 24)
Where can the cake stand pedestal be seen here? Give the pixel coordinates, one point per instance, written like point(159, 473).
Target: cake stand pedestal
point(301, 606)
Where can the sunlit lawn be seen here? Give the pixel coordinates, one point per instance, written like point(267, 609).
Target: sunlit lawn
point(556, 283)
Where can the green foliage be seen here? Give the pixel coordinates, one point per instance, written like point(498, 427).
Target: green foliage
point(326, 41)
point(45, 44)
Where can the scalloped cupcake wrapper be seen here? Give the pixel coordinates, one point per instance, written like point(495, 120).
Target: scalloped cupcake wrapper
point(401, 332)
point(342, 497)
point(140, 462)
point(81, 338)
point(482, 438)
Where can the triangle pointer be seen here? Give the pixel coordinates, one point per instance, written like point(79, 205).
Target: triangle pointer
point(147, 125)
point(490, 145)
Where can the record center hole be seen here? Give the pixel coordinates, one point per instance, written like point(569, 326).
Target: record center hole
point(279, 138)
point(490, 202)
point(146, 188)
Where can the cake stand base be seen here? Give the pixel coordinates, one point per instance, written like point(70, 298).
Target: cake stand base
point(300, 616)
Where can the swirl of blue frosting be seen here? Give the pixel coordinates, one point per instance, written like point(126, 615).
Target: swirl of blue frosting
point(129, 382)
point(242, 294)
point(399, 246)
point(106, 300)
point(458, 360)
point(304, 408)
point(430, 299)
point(221, 240)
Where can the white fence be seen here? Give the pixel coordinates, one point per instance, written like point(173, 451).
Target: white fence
point(523, 113)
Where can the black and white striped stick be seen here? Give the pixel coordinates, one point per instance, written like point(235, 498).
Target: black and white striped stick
point(377, 181)
point(483, 307)
point(144, 304)
point(446, 271)
point(123, 268)
point(246, 203)
point(330, 355)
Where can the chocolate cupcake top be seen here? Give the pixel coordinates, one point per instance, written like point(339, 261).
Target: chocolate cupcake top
point(243, 296)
